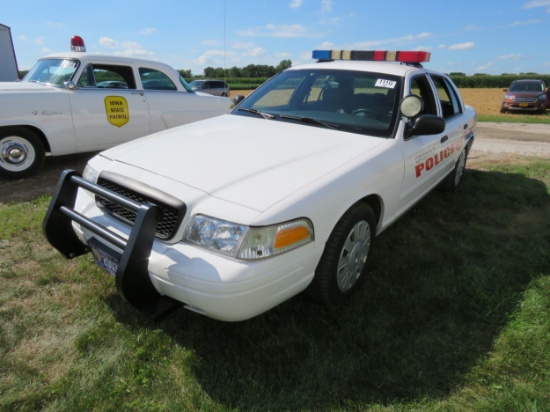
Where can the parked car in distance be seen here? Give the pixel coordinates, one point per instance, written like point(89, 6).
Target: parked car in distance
point(526, 95)
point(287, 193)
point(78, 102)
point(213, 87)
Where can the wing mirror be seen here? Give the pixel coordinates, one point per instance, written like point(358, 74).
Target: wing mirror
point(237, 99)
point(411, 106)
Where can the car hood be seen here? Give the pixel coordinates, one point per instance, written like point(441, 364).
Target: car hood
point(25, 87)
point(525, 94)
point(253, 162)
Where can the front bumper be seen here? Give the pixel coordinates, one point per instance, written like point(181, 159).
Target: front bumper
point(523, 106)
point(158, 277)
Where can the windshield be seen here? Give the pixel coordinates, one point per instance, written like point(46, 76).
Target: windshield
point(196, 84)
point(52, 71)
point(352, 101)
point(527, 87)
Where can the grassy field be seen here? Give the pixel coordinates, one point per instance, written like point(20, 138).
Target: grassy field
point(454, 317)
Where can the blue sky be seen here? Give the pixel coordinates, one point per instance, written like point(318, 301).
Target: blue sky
point(469, 36)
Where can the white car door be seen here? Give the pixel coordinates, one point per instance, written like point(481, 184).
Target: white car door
point(107, 108)
point(170, 107)
point(429, 158)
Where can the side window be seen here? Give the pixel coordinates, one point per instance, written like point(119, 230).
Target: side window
point(152, 79)
point(107, 77)
point(420, 86)
point(450, 103)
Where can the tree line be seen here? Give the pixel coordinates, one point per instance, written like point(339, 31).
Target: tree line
point(250, 71)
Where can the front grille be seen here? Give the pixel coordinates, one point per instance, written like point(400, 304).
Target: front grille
point(172, 209)
point(525, 100)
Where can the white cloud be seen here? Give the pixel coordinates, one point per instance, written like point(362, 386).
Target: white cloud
point(537, 3)
point(484, 67)
point(462, 46)
point(148, 30)
point(516, 56)
point(126, 48)
point(54, 24)
point(523, 23)
point(398, 40)
point(294, 4)
point(333, 21)
point(40, 40)
point(326, 45)
point(283, 30)
point(210, 57)
point(108, 42)
point(326, 6)
point(243, 45)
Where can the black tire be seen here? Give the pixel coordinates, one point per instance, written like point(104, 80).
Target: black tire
point(451, 182)
point(22, 153)
point(344, 262)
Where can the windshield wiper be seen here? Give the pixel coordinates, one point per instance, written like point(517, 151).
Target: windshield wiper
point(264, 115)
point(310, 120)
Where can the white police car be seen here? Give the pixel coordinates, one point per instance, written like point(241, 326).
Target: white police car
point(81, 102)
point(233, 215)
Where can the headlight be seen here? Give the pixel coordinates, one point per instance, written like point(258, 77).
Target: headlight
point(216, 235)
point(90, 174)
point(249, 243)
point(542, 97)
point(510, 97)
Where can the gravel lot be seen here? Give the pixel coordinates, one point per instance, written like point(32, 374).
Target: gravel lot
point(495, 141)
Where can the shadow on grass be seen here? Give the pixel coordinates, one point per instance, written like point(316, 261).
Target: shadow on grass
point(443, 282)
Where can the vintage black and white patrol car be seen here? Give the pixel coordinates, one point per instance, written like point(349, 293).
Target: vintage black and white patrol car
point(82, 102)
point(233, 215)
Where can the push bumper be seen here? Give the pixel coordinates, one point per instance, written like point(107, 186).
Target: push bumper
point(131, 275)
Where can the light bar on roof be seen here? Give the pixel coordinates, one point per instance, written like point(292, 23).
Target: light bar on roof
point(373, 55)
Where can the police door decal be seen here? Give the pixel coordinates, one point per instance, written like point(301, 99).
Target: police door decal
point(116, 108)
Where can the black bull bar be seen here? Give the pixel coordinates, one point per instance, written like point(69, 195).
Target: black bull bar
point(132, 275)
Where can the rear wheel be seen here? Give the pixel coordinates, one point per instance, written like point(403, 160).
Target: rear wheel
point(22, 152)
point(454, 178)
point(344, 261)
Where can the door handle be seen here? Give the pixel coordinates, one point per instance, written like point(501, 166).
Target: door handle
point(444, 139)
point(465, 126)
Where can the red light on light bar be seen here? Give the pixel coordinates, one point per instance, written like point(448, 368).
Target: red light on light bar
point(373, 55)
point(77, 44)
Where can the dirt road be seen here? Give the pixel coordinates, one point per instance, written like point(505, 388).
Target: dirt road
point(494, 141)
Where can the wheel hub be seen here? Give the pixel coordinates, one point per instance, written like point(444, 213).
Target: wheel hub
point(14, 153)
point(353, 256)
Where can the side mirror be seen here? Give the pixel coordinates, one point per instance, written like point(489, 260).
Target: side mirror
point(70, 85)
point(426, 124)
point(237, 99)
point(411, 106)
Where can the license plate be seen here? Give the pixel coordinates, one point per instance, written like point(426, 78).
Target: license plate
point(524, 105)
point(105, 257)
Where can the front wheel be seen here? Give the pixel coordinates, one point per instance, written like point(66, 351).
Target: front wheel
point(22, 152)
point(344, 261)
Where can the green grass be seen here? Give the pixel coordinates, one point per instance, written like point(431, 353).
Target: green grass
point(516, 118)
point(455, 316)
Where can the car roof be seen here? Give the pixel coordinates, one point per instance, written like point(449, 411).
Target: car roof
point(106, 58)
point(392, 68)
